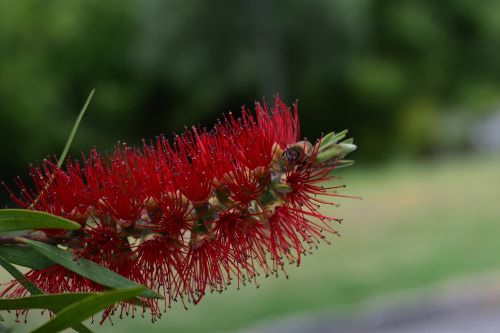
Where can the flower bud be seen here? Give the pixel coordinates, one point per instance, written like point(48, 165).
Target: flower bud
point(331, 150)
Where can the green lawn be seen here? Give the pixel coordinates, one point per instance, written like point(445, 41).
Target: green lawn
point(416, 225)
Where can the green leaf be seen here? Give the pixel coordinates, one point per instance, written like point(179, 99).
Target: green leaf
point(24, 256)
point(349, 141)
point(22, 219)
point(87, 268)
point(34, 290)
point(85, 308)
point(81, 328)
point(344, 164)
point(336, 151)
point(331, 139)
point(53, 302)
point(74, 129)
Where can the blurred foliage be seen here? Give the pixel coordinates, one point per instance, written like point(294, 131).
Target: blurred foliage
point(387, 70)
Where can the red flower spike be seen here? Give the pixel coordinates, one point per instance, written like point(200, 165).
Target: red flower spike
point(193, 214)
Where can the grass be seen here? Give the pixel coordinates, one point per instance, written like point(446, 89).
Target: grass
point(417, 225)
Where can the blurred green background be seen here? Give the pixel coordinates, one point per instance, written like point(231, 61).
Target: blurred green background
point(417, 82)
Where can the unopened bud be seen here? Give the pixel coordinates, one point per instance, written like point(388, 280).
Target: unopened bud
point(346, 148)
point(335, 152)
point(331, 138)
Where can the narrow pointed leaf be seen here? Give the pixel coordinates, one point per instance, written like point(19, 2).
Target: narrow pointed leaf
point(74, 129)
point(344, 164)
point(325, 139)
point(53, 302)
point(22, 219)
point(339, 150)
point(350, 141)
point(85, 308)
point(87, 268)
point(332, 139)
point(24, 256)
point(34, 290)
point(81, 328)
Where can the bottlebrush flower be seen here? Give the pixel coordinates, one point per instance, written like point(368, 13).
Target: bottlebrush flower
point(194, 214)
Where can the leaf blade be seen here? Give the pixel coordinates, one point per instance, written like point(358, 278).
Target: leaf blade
point(74, 129)
point(87, 268)
point(53, 302)
point(34, 290)
point(82, 310)
point(24, 256)
point(23, 219)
